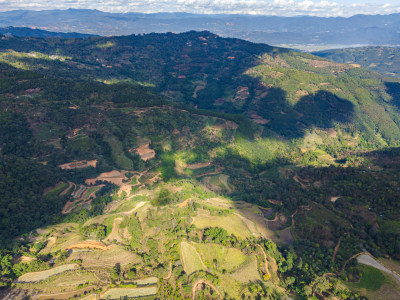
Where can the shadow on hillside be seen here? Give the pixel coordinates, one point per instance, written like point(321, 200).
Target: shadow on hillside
point(320, 110)
point(393, 89)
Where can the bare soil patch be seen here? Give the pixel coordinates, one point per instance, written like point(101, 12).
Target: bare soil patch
point(198, 165)
point(79, 164)
point(115, 177)
point(89, 245)
point(145, 152)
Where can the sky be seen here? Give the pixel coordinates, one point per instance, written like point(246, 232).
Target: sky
point(325, 8)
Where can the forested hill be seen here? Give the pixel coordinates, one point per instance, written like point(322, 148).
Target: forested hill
point(385, 60)
point(25, 31)
point(276, 87)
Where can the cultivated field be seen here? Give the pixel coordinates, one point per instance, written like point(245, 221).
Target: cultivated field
point(108, 258)
point(42, 275)
point(231, 223)
point(79, 164)
point(248, 272)
point(118, 293)
point(226, 258)
point(145, 152)
point(89, 245)
point(191, 259)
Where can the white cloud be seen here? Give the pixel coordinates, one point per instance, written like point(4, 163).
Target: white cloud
point(254, 7)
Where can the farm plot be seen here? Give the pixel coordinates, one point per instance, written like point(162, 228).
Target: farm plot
point(232, 223)
point(145, 152)
point(63, 282)
point(247, 272)
point(191, 259)
point(42, 275)
point(220, 257)
point(107, 258)
point(147, 281)
point(79, 164)
point(89, 245)
point(118, 293)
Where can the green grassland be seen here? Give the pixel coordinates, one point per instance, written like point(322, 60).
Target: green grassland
point(221, 258)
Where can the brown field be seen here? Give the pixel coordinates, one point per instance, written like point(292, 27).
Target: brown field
point(198, 165)
point(118, 293)
point(42, 275)
point(255, 215)
point(65, 295)
point(89, 245)
point(108, 258)
point(145, 152)
point(115, 177)
point(79, 164)
point(286, 236)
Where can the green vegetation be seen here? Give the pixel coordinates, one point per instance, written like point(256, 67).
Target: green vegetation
point(302, 145)
point(371, 278)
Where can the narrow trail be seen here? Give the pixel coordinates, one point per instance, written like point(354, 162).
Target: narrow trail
point(203, 281)
point(170, 272)
point(336, 249)
point(266, 261)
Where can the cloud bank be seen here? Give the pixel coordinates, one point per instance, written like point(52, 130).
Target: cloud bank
point(255, 7)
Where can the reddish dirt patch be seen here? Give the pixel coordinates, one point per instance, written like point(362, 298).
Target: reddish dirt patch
point(198, 165)
point(89, 244)
point(145, 152)
point(115, 177)
point(79, 164)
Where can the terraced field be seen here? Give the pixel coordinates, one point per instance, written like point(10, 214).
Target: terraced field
point(42, 275)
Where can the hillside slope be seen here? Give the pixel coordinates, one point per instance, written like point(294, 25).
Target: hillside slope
point(384, 60)
point(212, 167)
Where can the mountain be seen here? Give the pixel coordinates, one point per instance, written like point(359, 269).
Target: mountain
point(23, 31)
point(293, 31)
point(384, 60)
point(191, 165)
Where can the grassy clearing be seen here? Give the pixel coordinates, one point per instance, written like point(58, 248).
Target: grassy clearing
point(232, 223)
point(42, 275)
point(371, 278)
point(247, 272)
point(118, 293)
point(219, 257)
point(134, 180)
point(118, 154)
point(191, 259)
point(375, 284)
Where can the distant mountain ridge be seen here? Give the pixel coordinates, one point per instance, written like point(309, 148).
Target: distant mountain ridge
point(275, 30)
point(24, 31)
point(384, 60)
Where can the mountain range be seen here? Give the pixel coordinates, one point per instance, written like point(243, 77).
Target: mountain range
point(293, 31)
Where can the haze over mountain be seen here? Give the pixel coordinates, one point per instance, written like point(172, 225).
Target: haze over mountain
point(293, 31)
